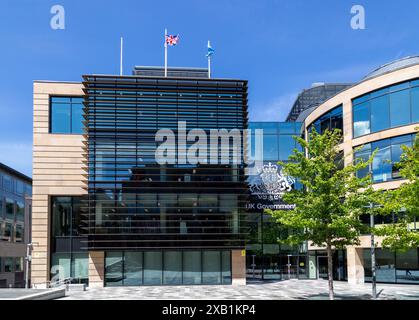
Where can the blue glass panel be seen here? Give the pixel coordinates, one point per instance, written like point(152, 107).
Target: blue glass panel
point(269, 127)
point(286, 146)
point(381, 166)
point(270, 147)
point(415, 104)
point(361, 119)
point(379, 93)
point(414, 83)
point(400, 86)
point(360, 99)
point(400, 108)
point(60, 118)
point(380, 113)
point(77, 118)
point(60, 99)
point(286, 127)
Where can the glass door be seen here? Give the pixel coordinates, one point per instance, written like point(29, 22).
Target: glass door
point(322, 268)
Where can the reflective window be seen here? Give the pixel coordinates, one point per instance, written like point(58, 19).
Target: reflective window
point(8, 183)
point(66, 115)
point(329, 121)
point(380, 119)
point(113, 269)
point(153, 268)
point(19, 233)
point(172, 273)
point(19, 264)
point(211, 267)
point(10, 207)
point(400, 108)
point(386, 108)
point(192, 267)
point(8, 264)
point(133, 268)
point(20, 211)
point(388, 154)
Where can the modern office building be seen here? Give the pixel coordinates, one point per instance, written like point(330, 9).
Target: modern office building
point(310, 99)
point(105, 212)
point(380, 112)
point(15, 208)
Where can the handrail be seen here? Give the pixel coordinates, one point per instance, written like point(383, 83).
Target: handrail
point(54, 284)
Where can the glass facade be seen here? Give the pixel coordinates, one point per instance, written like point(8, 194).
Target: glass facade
point(66, 115)
point(167, 267)
point(329, 121)
point(136, 203)
point(389, 152)
point(386, 108)
point(393, 267)
point(69, 257)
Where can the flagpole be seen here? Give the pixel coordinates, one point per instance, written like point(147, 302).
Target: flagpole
point(209, 62)
point(165, 53)
point(121, 60)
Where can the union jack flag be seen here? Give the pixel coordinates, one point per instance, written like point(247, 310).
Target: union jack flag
point(172, 40)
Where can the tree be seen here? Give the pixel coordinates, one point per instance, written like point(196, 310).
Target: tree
point(403, 201)
point(329, 206)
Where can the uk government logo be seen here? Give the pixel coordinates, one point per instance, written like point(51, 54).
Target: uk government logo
point(270, 184)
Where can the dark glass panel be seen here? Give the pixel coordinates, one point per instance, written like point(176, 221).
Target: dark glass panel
point(211, 266)
point(192, 267)
point(152, 268)
point(133, 268)
point(113, 269)
point(172, 273)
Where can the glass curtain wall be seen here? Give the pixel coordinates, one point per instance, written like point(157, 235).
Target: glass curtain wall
point(386, 108)
point(135, 268)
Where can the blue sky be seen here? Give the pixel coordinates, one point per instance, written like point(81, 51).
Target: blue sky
point(280, 46)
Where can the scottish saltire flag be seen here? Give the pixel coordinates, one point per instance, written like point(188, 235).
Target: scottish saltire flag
point(172, 40)
point(211, 51)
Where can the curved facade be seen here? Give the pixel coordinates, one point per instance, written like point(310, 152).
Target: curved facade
point(381, 112)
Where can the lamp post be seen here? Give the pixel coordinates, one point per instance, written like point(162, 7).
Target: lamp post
point(372, 206)
point(28, 259)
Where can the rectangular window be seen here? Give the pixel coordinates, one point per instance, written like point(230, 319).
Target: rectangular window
point(20, 187)
point(19, 233)
point(361, 119)
point(226, 267)
point(381, 165)
point(8, 183)
point(60, 266)
point(20, 211)
point(400, 108)
point(19, 264)
point(133, 268)
point(10, 207)
point(66, 115)
point(192, 267)
point(7, 233)
point(172, 274)
point(211, 267)
point(8, 264)
point(113, 269)
point(380, 114)
point(415, 104)
point(270, 147)
point(152, 268)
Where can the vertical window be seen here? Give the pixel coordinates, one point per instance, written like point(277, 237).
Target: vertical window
point(61, 216)
point(381, 165)
point(66, 115)
point(172, 267)
point(192, 267)
point(19, 264)
point(19, 233)
point(8, 264)
point(270, 147)
point(415, 104)
point(226, 267)
point(10, 207)
point(61, 266)
point(211, 267)
point(8, 183)
point(7, 233)
point(400, 108)
point(20, 211)
point(133, 268)
point(20, 187)
point(361, 119)
point(380, 119)
point(153, 267)
point(286, 146)
point(113, 269)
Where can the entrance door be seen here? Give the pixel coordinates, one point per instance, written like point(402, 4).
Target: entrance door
point(322, 268)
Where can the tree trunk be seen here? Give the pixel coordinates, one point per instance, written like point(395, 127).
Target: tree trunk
point(330, 271)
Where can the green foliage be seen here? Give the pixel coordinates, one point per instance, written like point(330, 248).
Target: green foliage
point(405, 200)
point(333, 198)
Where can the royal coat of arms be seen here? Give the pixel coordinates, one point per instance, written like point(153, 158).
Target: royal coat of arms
point(270, 184)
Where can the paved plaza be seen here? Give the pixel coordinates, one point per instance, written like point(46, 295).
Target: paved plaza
point(282, 290)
